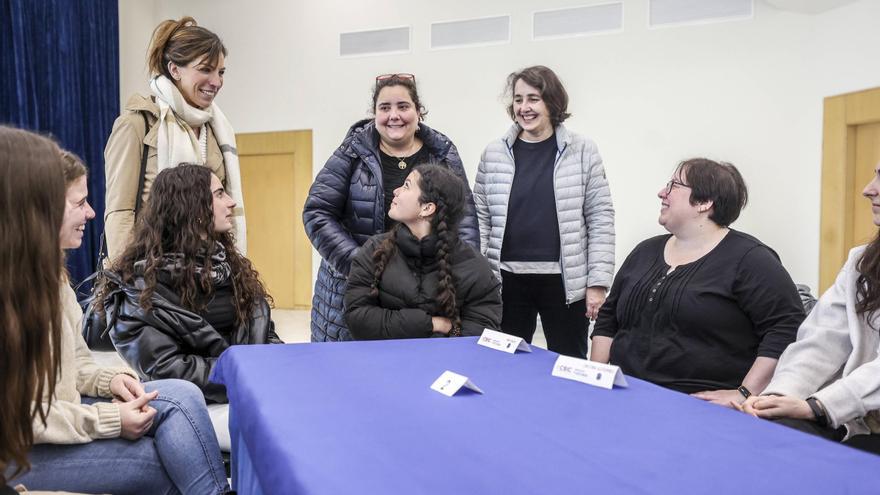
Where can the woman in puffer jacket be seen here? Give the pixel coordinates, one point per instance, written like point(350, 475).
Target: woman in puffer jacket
point(350, 198)
point(546, 218)
point(419, 280)
point(181, 293)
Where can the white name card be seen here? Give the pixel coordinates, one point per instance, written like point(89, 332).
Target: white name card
point(503, 342)
point(589, 372)
point(449, 383)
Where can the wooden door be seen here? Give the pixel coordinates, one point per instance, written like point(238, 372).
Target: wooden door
point(276, 172)
point(851, 149)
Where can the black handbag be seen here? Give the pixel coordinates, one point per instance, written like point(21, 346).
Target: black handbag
point(95, 328)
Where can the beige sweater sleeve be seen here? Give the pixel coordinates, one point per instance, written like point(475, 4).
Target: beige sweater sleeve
point(91, 379)
point(73, 423)
point(122, 158)
point(68, 420)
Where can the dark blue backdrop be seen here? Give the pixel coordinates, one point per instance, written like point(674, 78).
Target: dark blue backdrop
point(59, 75)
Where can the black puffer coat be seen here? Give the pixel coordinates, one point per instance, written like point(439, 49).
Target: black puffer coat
point(346, 205)
point(169, 341)
point(408, 289)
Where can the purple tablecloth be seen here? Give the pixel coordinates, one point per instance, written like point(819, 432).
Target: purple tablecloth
point(359, 417)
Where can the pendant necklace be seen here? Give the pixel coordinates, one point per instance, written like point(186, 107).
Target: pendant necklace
point(401, 160)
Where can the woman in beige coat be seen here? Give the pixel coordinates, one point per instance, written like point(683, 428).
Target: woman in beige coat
point(178, 123)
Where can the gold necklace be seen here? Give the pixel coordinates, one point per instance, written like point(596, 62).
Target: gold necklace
point(401, 161)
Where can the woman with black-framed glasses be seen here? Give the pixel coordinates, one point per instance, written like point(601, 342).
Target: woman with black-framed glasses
point(351, 196)
point(705, 309)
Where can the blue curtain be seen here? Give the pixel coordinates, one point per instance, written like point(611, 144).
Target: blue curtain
point(59, 75)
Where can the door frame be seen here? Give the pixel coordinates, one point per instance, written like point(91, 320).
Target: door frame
point(842, 113)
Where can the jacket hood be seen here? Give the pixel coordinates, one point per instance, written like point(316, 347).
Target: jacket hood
point(362, 139)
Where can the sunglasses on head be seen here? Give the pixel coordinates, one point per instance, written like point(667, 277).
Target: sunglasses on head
point(403, 75)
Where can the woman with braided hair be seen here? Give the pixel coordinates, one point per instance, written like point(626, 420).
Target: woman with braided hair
point(419, 279)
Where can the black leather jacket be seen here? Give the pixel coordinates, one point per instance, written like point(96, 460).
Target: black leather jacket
point(169, 341)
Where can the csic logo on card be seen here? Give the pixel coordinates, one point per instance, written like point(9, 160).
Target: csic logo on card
point(503, 342)
point(589, 372)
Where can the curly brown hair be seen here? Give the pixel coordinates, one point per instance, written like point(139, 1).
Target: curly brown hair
point(868, 283)
point(179, 218)
point(440, 186)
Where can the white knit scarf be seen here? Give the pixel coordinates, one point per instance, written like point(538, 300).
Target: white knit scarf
point(178, 144)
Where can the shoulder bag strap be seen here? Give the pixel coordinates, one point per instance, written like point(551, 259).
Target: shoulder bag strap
point(140, 190)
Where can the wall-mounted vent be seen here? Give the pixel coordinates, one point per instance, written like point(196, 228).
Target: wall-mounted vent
point(375, 42)
point(469, 32)
point(578, 21)
point(668, 12)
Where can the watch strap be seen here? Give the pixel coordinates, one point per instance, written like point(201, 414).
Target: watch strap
point(818, 411)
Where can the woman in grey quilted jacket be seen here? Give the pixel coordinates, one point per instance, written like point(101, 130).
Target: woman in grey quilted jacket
point(546, 217)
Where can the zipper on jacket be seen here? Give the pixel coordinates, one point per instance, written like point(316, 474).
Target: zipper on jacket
point(561, 242)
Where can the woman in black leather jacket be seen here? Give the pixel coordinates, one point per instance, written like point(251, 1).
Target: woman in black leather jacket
point(419, 279)
point(181, 293)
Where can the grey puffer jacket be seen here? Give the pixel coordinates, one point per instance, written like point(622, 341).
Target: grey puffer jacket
point(583, 208)
point(346, 205)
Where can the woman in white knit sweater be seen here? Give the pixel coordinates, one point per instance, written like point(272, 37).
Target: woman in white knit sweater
point(828, 382)
point(104, 431)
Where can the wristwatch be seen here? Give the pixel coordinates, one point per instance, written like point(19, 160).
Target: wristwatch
point(818, 411)
point(744, 391)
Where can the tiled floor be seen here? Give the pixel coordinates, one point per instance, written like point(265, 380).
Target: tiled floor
point(293, 327)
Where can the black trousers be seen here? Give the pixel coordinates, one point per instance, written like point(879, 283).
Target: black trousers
point(867, 443)
point(526, 296)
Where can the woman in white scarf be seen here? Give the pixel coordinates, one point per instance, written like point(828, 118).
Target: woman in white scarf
point(178, 123)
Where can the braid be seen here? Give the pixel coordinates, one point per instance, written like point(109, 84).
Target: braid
point(446, 285)
point(380, 258)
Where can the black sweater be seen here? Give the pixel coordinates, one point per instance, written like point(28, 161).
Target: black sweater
point(702, 326)
point(408, 288)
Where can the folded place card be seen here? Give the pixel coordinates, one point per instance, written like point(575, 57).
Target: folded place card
point(592, 373)
point(503, 342)
point(449, 383)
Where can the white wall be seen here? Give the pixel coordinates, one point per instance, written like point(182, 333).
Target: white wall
point(749, 92)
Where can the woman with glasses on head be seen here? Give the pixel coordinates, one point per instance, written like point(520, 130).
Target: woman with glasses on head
point(546, 218)
point(178, 123)
point(827, 383)
point(351, 196)
point(705, 309)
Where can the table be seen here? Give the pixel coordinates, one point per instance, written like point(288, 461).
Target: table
point(359, 417)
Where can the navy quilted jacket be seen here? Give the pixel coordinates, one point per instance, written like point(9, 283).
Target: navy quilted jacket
point(346, 206)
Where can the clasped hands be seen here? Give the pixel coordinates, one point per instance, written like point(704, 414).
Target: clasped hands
point(135, 413)
point(759, 406)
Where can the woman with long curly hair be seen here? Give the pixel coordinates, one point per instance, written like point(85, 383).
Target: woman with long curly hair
point(828, 381)
point(95, 429)
point(181, 293)
point(419, 279)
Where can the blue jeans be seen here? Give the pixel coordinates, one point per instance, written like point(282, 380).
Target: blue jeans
point(178, 455)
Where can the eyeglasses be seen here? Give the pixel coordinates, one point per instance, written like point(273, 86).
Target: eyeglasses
point(402, 75)
point(673, 183)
